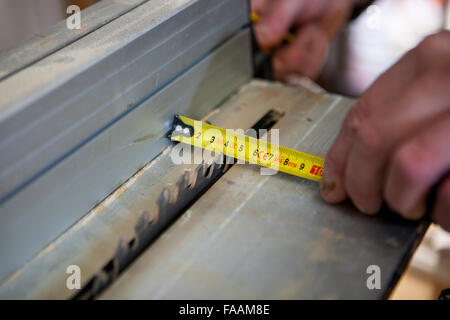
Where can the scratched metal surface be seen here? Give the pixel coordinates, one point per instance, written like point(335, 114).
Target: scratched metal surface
point(58, 36)
point(62, 100)
point(78, 122)
point(271, 237)
point(245, 249)
point(92, 241)
point(52, 203)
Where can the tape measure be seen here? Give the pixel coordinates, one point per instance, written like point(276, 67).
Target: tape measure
point(246, 148)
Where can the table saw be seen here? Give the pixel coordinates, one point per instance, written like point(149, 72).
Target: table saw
point(86, 177)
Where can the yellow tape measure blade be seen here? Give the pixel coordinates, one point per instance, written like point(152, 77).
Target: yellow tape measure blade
point(239, 146)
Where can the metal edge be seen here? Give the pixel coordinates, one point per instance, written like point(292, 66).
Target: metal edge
point(53, 202)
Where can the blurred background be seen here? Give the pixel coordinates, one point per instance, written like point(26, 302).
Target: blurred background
point(378, 38)
point(22, 19)
point(364, 49)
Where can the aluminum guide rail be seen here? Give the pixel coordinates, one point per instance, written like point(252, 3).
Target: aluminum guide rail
point(103, 146)
point(58, 36)
point(93, 240)
point(82, 87)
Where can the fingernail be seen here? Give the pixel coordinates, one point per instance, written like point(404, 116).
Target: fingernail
point(331, 187)
point(328, 183)
point(370, 210)
point(417, 212)
point(279, 68)
point(361, 208)
point(326, 186)
point(262, 33)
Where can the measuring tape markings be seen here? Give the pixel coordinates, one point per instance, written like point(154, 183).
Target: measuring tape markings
point(248, 149)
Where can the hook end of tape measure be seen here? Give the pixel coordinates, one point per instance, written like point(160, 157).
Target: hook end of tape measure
point(180, 129)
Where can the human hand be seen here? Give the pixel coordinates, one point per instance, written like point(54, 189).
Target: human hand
point(316, 23)
point(395, 142)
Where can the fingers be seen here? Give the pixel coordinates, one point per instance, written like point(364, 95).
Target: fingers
point(317, 22)
point(364, 167)
point(392, 110)
point(358, 160)
point(332, 186)
point(278, 16)
point(416, 166)
point(360, 140)
point(260, 6)
point(269, 31)
point(441, 212)
point(305, 55)
point(382, 133)
point(335, 16)
point(393, 145)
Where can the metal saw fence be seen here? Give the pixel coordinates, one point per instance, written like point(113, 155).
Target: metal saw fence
point(78, 120)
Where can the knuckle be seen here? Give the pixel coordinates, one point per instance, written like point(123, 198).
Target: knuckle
point(366, 134)
point(433, 46)
point(431, 43)
point(410, 165)
point(370, 140)
point(356, 116)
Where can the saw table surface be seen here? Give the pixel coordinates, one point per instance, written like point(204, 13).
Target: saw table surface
point(250, 236)
point(253, 236)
